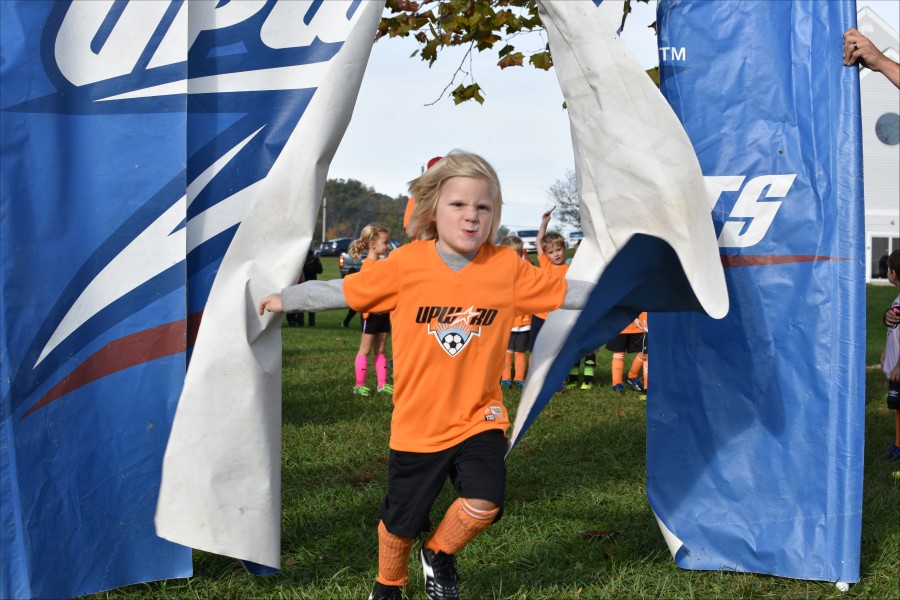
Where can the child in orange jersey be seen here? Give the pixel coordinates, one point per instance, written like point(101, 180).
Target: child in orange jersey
point(518, 337)
point(453, 296)
point(411, 203)
point(551, 249)
point(374, 241)
point(632, 339)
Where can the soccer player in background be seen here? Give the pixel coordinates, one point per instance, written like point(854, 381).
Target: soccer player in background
point(374, 241)
point(514, 367)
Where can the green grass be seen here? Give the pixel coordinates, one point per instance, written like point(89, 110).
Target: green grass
point(580, 468)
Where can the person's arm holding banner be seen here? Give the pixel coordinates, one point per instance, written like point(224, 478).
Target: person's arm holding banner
point(859, 49)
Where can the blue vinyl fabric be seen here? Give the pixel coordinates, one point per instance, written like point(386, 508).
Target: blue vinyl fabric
point(97, 158)
point(755, 422)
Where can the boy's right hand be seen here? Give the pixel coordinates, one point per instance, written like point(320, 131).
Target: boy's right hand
point(271, 303)
point(891, 317)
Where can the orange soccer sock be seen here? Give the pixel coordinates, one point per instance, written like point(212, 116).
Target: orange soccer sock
point(520, 366)
point(637, 365)
point(393, 557)
point(460, 526)
point(897, 428)
point(507, 367)
point(646, 369)
point(618, 367)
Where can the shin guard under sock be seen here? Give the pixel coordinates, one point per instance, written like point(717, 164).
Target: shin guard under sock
point(507, 367)
point(520, 366)
point(897, 428)
point(460, 526)
point(637, 365)
point(618, 367)
point(646, 369)
point(381, 370)
point(393, 557)
point(362, 366)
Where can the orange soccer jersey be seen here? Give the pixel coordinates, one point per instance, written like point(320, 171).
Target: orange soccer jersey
point(632, 328)
point(450, 331)
point(549, 267)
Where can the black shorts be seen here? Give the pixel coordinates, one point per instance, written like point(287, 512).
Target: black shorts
point(893, 396)
point(476, 467)
point(536, 324)
point(518, 341)
point(377, 323)
point(627, 342)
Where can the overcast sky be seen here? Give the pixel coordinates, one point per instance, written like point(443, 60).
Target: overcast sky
point(521, 128)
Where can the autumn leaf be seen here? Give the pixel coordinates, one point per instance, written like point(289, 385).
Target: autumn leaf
point(514, 59)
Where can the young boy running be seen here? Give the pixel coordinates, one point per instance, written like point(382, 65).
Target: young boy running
point(452, 296)
point(632, 339)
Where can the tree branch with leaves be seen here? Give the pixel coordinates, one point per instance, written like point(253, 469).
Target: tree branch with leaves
point(475, 24)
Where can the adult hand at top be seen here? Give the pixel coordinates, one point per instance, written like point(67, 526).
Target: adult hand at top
point(859, 49)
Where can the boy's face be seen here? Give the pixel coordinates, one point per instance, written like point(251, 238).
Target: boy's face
point(556, 254)
point(893, 277)
point(464, 214)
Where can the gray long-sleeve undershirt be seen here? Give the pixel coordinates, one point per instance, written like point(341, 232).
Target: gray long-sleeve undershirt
point(315, 296)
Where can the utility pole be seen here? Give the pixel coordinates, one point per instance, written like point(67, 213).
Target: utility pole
point(324, 209)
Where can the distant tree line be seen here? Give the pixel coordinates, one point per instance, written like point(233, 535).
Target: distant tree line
point(350, 205)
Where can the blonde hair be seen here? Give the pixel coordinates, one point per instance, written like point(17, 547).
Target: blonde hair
point(514, 242)
point(552, 239)
point(427, 189)
point(370, 233)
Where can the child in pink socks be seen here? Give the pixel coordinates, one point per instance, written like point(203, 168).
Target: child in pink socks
point(375, 241)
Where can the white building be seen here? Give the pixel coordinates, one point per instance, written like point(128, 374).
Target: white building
point(881, 149)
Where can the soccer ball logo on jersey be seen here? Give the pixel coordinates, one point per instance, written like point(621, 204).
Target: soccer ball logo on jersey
point(454, 327)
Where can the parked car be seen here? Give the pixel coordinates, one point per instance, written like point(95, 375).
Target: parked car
point(575, 238)
point(528, 236)
point(348, 265)
point(334, 247)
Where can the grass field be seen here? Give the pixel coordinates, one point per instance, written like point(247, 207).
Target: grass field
point(579, 469)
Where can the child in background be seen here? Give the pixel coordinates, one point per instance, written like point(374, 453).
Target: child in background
point(551, 249)
point(642, 323)
point(374, 240)
point(518, 337)
point(890, 358)
point(632, 339)
point(452, 296)
point(312, 268)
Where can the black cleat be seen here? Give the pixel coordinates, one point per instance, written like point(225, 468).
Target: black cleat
point(441, 580)
point(385, 592)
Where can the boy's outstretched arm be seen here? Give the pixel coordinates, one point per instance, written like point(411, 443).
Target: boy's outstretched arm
point(310, 296)
point(271, 303)
point(577, 294)
point(545, 219)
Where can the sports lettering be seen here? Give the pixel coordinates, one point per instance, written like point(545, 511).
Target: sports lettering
point(737, 232)
point(446, 315)
point(104, 39)
point(673, 53)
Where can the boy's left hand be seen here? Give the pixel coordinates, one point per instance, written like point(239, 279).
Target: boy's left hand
point(271, 303)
